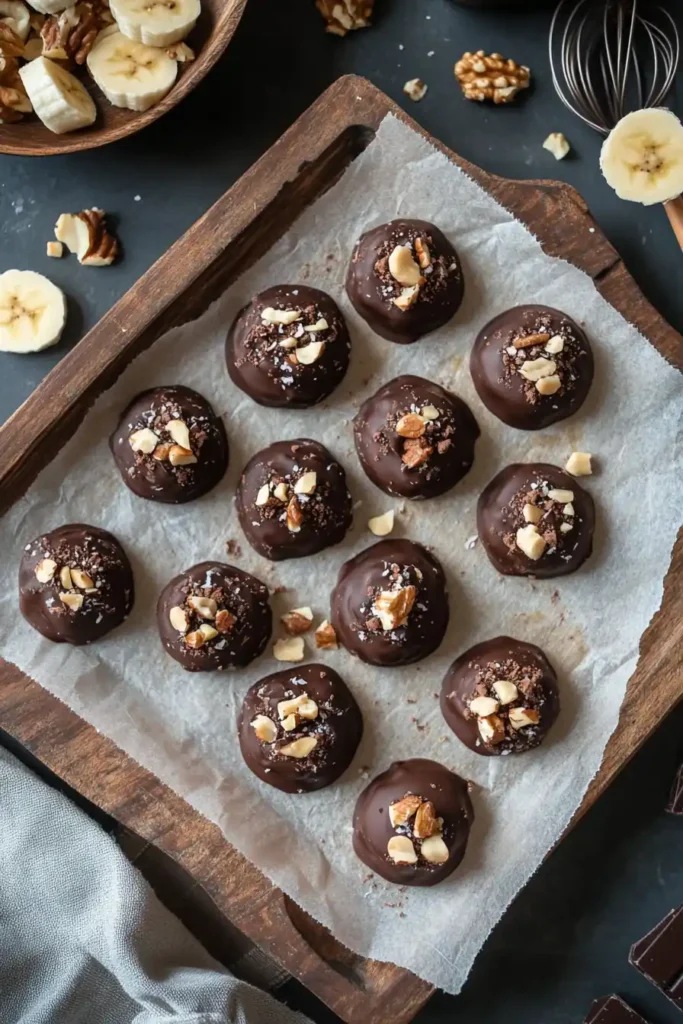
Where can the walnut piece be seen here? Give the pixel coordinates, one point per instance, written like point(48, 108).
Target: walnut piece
point(394, 606)
point(71, 34)
point(298, 621)
point(342, 16)
point(416, 89)
point(490, 77)
point(86, 234)
point(14, 102)
point(402, 811)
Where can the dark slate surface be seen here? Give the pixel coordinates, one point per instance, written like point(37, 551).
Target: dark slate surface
point(566, 939)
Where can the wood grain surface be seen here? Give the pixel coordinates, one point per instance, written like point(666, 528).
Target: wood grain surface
point(209, 38)
point(231, 236)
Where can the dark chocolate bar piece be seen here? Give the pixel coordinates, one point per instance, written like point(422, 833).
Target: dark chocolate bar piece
point(612, 1010)
point(659, 956)
point(675, 804)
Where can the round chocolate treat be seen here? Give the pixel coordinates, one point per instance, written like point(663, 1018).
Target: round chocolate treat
point(534, 520)
point(299, 729)
point(411, 823)
point(289, 347)
point(405, 279)
point(292, 500)
point(501, 696)
point(532, 366)
point(75, 584)
point(214, 616)
point(170, 446)
point(415, 439)
point(390, 604)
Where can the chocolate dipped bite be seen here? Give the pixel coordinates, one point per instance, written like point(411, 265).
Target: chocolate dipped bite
point(415, 439)
point(411, 824)
point(501, 697)
point(532, 366)
point(405, 279)
point(535, 520)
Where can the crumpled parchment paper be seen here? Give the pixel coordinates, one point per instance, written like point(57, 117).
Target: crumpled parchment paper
point(182, 726)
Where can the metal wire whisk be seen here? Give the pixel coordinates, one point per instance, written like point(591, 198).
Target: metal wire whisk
point(611, 56)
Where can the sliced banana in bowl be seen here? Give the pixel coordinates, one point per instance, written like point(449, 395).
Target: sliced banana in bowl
point(156, 22)
point(58, 98)
point(642, 157)
point(129, 73)
point(32, 312)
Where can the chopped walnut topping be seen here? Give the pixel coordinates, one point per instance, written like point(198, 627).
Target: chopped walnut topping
point(416, 452)
point(394, 606)
point(299, 748)
point(225, 621)
point(401, 850)
point(403, 810)
point(410, 426)
point(426, 823)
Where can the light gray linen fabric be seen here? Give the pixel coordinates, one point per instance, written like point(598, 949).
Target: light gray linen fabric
point(84, 940)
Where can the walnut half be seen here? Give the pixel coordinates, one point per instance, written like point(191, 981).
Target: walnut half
point(490, 77)
point(342, 16)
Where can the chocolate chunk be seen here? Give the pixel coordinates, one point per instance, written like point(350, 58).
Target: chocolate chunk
point(659, 956)
point(395, 309)
point(612, 1010)
point(289, 347)
point(675, 804)
point(557, 348)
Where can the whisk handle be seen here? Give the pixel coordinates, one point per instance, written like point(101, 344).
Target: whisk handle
point(674, 211)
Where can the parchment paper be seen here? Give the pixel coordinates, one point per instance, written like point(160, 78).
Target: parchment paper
point(182, 726)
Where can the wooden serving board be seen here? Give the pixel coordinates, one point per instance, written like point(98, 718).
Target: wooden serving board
point(234, 233)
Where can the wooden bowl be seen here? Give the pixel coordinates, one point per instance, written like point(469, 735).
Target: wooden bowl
point(209, 38)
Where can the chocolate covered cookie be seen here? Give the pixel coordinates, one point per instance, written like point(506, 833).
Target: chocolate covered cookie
point(214, 616)
point(501, 696)
point(289, 347)
point(532, 366)
point(390, 605)
point(75, 584)
point(411, 823)
point(405, 279)
point(292, 500)
point(534, 520)
point(299, 729)
point(415, 439)
point(170, 446)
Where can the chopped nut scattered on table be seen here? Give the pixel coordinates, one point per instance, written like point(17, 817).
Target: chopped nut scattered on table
point(491, 77)
point(557, 144)
point(416, 89)
point(344, 15)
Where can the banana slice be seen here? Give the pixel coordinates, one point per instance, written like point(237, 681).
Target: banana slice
point(17, 16)
point(59, 99)
point(51, 6)
point(642, 157)
point(32, 312)
point(156, 22)
point(130, 74)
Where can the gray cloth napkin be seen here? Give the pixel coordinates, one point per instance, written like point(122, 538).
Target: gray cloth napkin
point(84, 940)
